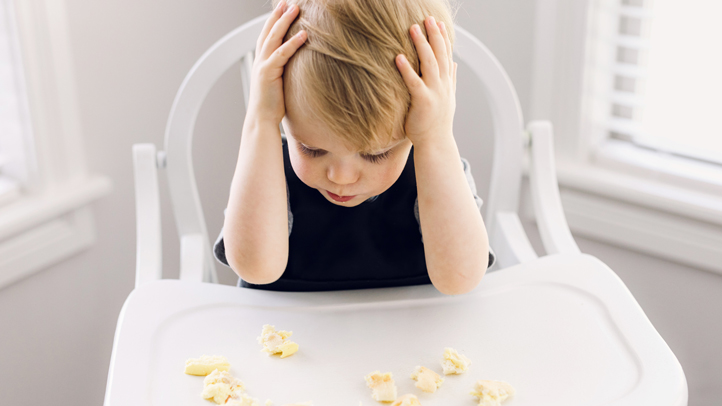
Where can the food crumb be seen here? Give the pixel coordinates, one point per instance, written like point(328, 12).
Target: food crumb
point(453, 362)
point(407, 400)
point(492, 393)
point(426, 379)
point(276, 342)
point(206, 364)
point(382, 385)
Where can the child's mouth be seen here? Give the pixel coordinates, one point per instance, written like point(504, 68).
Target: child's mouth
point(340, 198)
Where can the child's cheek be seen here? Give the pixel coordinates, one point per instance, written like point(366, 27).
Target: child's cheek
point(386, 175)
point(304, 168)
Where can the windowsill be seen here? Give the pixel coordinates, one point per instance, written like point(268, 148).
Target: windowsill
point(9, 191)
point(667, 168)
point(631, 206)
point(658, 182)
point(38, 231)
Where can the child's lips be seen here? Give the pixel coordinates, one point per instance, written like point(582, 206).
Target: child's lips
point(340, 198)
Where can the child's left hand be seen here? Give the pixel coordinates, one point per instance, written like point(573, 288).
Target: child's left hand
point(433, 94)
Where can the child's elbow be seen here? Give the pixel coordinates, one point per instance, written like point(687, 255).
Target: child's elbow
point(258, 272)
point(459, 283)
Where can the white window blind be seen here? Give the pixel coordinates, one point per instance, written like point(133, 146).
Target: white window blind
point(657, 76)
point(15, 140)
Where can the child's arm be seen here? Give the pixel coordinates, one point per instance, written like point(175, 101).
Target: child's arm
point(455, 239)
point(256, 222)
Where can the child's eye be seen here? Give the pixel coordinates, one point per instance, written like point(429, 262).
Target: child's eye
point(376, 158)
point(310, 152)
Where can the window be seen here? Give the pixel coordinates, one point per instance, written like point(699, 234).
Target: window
point(654, 89)
point(45, 189)
point(624, 181)
point(14, 121)
point(682, 84)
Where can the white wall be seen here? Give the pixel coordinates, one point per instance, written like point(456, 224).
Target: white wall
point(131, 56)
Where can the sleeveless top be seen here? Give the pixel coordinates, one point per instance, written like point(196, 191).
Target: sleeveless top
point(375, 244)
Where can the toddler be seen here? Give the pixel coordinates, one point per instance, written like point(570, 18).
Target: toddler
point(367, 188)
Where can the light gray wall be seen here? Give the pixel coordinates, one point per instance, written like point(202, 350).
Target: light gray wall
point(131, 56)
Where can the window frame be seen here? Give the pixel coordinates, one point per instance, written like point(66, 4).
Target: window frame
point(617, 178)
point(50, 218)
point(15, 119)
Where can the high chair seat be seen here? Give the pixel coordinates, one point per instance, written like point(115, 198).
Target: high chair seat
point(561, 328)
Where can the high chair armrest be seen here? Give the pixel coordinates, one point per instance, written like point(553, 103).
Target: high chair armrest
point(193, 259)
point(511, 244)
point(553, 227)
point(148, 265)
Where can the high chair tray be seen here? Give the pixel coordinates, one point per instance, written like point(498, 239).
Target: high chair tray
point(563, 330)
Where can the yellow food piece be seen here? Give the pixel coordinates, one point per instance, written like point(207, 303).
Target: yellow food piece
point(492, 393)
point(288, 348)
point(407, 400)
point(453, 362)
point(206, 364)
point(426, 379)
point(276, 342)
point(218, 386)
point(241, 399)
point(382, 385)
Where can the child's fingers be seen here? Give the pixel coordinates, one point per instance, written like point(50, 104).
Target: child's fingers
point(412, 80)
point(275, 15)
point(278, 31)
point(436, 40)
point(282, 54)
point(449, 49)
point(429, 67)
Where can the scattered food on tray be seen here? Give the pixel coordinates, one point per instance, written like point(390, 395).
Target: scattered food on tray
point(206, 364)
point(288, 348)
point(426, 379)
point(276, 342)
point(219, 386)
point(269, 402)
point(241, 399)
point(382, 385)
point(492, 393)
point(407, 400)
point(453, 362)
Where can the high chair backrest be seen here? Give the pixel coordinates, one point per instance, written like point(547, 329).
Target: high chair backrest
point(508, 129)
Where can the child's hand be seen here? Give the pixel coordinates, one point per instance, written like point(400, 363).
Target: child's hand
point(433, 95)
point(266, 100)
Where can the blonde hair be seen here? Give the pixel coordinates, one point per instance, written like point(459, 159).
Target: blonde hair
point(345, 74)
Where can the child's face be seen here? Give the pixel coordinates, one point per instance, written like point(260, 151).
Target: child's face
point(343, 176)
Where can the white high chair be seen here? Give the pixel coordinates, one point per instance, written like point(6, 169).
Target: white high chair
point(562, 328)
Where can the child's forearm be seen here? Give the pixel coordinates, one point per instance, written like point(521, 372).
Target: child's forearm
point(255, 230)
point(455, 239)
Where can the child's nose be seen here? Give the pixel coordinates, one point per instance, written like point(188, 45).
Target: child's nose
point(342, 173)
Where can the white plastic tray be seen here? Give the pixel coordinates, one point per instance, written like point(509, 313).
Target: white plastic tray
point(563, 330)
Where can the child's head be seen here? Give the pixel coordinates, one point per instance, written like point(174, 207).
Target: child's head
point(345, 76)
point(344, 94)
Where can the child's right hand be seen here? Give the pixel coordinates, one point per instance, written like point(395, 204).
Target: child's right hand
point(266, 101)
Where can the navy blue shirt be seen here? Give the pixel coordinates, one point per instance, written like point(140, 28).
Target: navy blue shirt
point(377, 243)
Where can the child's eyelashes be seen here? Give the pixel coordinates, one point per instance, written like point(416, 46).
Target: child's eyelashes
point(376, 158)
point(310, 152)
point(373, 158)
